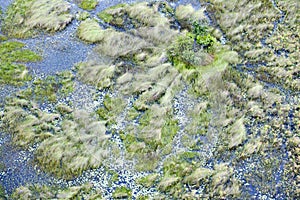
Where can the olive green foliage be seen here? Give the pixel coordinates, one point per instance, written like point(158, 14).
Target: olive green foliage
point(2, 193)
point(178, 170)
point(205, 41)
point(24, 18)
point(52, 87)
point(293, 168)
point(112, 107)
point(186, 15)
point(200, 120)
point(80, 143)
point(90, 31)
point(152, 139)
point(149, 24)
point(88, 4)
point(27, 123)
point(169, 130)
point(15, 16)
point(30, 125)
point(198, 29)
point(84, 191)
point(228, 130)
point(2, 38)
point(181, 50)
point(166, 128)
point(149, 180)
point(11, 55)
point(110, 16)
point(247, 31)
point(192, 49)
point(14, 52)
point(126, 16)
point(122, 192)
point(2, 165)
point(81, 16)
point(105, 16)
point(202, 37)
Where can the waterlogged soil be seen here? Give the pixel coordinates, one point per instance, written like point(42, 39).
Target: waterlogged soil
point(148, 100)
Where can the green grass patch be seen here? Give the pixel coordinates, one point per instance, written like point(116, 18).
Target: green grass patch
point(15, 74)
point(169, 130)
point(2, 192)
point(15, 14)
point(122, 192)
point(106, 17)
point(88, 4)
point(2, 38)
point(36, 191)
point(187, 53)
point(11, 51)
point(148, 181)
point(112, 107)
point(51, 87)
point(12, 55)
point(26, 18)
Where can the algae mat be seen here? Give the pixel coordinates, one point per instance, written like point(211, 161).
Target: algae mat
point(149, 99)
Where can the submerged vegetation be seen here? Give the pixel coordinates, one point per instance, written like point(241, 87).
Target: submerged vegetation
point(181, 113)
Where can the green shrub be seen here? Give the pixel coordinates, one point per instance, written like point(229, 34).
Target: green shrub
point(202, 37)
point(198, 29)
point(206, 41)
point(192, 49)
point(185, 53)
point(181, 51)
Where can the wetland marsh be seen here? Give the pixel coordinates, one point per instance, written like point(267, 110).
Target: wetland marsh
point(141, 99)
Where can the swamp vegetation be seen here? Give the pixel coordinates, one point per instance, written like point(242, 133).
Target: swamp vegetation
point(174, 100)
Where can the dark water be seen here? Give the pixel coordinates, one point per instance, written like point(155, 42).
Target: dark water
point(60, 51)
point(19, 168)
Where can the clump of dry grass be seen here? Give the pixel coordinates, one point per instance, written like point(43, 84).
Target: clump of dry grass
point(81, 145)
point(26, 123)
point(25, 18)
point(90, 31)
point(123, 44)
